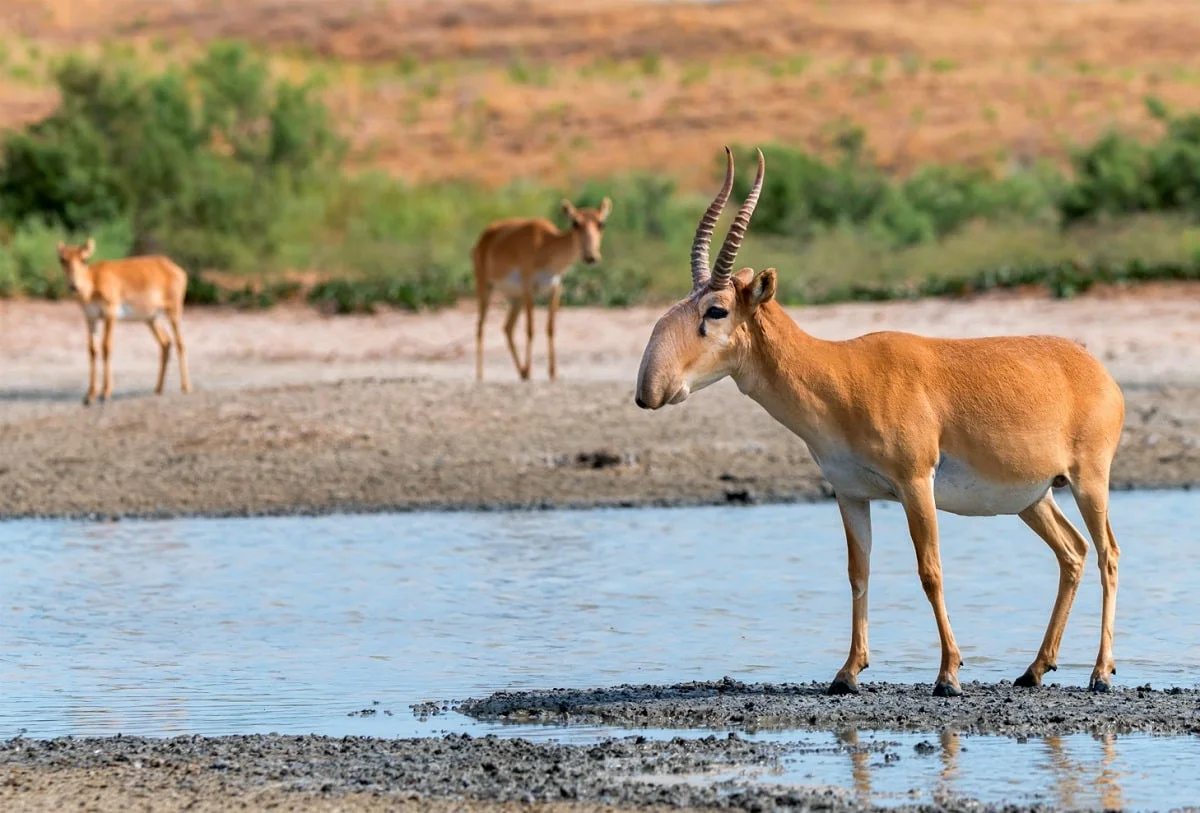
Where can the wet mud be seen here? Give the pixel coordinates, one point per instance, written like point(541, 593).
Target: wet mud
point(455, 772)
point(717, 770)
point(628, 772)
point(998, 708)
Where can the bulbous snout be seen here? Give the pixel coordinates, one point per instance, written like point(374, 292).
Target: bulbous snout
point(591, 258)
point(656, 385)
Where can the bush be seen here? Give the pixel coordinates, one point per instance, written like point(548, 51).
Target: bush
point(804, 196)
point(198, 162)
point(1119, 176)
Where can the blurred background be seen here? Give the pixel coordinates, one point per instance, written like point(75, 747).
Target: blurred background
point(349, 153)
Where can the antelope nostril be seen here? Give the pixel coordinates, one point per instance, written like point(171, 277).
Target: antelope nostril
point(637, 399)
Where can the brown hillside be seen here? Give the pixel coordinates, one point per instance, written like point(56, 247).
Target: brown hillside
point(563, 90)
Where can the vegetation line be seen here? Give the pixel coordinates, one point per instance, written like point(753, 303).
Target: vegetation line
point(242, 180)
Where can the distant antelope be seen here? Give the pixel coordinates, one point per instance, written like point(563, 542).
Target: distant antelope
point(527, 257)
point(138, 289)
point(977, 427)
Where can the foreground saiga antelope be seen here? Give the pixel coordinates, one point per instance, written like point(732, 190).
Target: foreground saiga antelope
point(138, 289)
point(971, 426)
point(525, 258)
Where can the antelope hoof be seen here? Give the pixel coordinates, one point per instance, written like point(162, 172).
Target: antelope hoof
point(942, 689)
point(1028, 680)
point(841, 686)
point(1100, 685)
point(87, 400)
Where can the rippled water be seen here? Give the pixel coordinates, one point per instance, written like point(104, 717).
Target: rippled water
point(295, 625)
point(289, 624)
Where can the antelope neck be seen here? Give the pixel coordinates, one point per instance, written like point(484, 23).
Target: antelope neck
point(789, 372)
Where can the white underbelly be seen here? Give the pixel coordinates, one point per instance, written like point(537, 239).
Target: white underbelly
point(512, 286)
point(125, 312)
point(957, 488)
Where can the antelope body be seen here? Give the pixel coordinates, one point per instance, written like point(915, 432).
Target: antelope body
point(524, 258)
point(970, 426)
point(137, 289)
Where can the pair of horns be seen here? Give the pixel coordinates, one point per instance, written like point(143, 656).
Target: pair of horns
point(723, 268)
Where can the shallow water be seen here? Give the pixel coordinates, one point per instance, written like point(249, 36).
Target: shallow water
point(296, 625)
point(1079, 771)
point(289, 624)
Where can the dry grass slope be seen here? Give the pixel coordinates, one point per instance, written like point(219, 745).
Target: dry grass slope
point(561, 90)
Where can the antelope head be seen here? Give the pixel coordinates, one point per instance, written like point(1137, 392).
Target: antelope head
point(697, 342)
point(587, 225)
point(73, 260)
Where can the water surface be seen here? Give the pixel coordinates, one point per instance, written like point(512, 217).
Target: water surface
point(289, 624)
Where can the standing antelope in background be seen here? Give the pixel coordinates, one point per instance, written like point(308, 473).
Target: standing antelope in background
point(138, 289)
point(527, 257)
point(977, 427)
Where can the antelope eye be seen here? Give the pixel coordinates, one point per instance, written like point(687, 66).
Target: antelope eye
point(600, 225)
point(716, 312)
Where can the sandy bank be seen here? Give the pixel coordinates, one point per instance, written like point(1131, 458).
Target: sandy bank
point(300, 413)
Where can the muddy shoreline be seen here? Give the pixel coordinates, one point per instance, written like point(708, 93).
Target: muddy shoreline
point(457, 771)
point(984, 708)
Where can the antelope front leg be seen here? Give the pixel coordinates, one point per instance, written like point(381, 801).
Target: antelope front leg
point(106, 393)
point(185, 381)
point(528, 334)
point(555, 294)
point(93, 350)
point(856, 517)
point(922, 525)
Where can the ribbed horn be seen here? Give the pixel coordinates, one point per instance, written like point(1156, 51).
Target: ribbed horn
point(708, 222)
point(723, 268)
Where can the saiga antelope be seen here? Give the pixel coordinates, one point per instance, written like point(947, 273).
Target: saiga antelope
point(977, 427)
point(138, 289)
point(525, 258)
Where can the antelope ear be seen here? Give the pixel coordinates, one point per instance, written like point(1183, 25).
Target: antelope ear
point(605, 208)
point(762, 288)
point(88, 248)
point(61, 246)
point(569, 209)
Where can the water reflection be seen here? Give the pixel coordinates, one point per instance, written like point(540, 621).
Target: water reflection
point(1077, 782)
point(860, 764)
point(1082, 771)
point(950, 748)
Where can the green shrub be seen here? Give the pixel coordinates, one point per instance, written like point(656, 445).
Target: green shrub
point(804, 196)
point(1120, 176)
point(199, 162)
